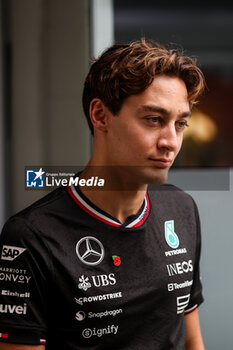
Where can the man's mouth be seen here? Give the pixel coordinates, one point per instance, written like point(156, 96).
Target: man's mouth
point(161, 162)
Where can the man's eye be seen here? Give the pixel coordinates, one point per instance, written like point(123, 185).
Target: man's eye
point(154, 120)
point(182, 125)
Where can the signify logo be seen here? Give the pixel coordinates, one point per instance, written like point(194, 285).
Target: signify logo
point(99, 332)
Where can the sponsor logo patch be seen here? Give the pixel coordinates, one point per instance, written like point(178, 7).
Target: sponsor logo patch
point(13, 309)
point(15, 294)
point(176, 252)
point(96, 298)
point(81, 315)
point(170, 235)
point(97, 281)
point(174, 286)
point(182, 303)
point(99, 332)
point(14, 275)
point(11, 253)
point(90, 250)
point(179, 268)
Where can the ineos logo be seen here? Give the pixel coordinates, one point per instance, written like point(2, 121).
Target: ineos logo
point(90, 250)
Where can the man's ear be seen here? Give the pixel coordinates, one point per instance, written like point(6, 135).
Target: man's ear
point(99, 114)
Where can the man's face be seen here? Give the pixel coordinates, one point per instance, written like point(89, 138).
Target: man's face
point(146, 135)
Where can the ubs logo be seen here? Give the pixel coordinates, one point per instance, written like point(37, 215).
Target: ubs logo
point(90, 250)
point(97, 281)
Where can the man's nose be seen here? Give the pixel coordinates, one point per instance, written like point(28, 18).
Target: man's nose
point(168, 138)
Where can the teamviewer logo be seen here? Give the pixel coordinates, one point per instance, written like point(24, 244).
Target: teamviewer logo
point(35, 178)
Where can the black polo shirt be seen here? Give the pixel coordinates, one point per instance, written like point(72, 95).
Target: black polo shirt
point(74, 277)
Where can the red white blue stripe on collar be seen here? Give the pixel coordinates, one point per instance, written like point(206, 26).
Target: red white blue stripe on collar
point(136, 221)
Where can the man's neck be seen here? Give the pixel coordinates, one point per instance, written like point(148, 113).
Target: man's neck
point(118, 197)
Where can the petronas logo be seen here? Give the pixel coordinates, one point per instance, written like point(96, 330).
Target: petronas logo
point(170, 235)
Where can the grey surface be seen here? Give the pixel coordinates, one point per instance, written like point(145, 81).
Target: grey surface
point(216, 213)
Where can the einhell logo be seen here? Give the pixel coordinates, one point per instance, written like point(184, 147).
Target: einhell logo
point(11, 253)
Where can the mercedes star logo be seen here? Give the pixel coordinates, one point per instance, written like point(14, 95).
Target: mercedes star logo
point(90, 250)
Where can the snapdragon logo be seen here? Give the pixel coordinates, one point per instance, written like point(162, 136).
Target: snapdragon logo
point(99, 332)
point(80, 315)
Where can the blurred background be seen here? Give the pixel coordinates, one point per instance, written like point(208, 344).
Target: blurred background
point(46, 48)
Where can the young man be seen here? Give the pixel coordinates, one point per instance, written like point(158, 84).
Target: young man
point(116, 268)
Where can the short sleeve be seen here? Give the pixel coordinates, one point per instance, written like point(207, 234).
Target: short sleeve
point(25, 270)
point(196, 297)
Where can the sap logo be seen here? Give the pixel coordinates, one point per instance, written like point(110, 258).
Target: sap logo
point(11, 253)
point(11, 309)
point(97, 281)
point(180, 268)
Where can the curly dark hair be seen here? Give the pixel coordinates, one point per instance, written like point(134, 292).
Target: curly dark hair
point(128, 69)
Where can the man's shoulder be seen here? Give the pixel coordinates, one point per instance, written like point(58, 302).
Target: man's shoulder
point(168, 193)
point(36, 213)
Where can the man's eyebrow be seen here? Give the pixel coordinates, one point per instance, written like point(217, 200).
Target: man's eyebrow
point(161, 110)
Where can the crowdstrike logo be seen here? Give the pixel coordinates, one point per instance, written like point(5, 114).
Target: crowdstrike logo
point(96, 298)
point(170, 235)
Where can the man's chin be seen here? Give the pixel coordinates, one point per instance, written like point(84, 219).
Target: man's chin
point(157, 176)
